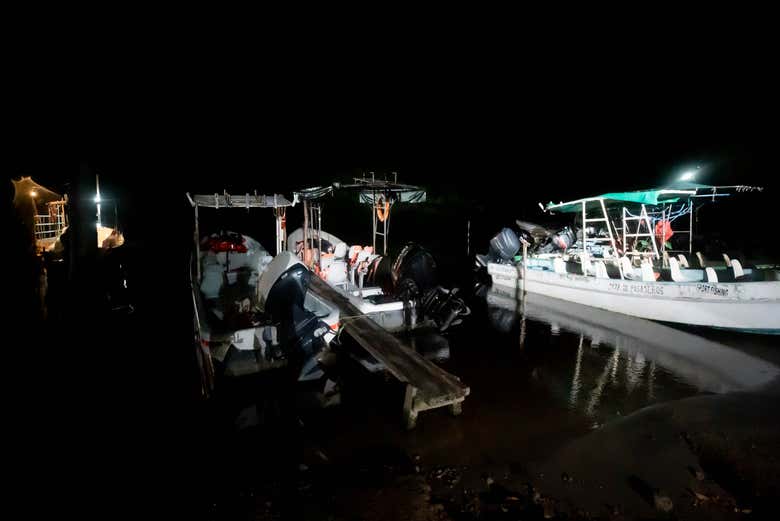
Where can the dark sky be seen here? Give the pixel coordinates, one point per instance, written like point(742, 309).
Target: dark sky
point(501, 136)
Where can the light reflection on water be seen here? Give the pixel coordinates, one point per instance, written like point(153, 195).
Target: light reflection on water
point(609, 365)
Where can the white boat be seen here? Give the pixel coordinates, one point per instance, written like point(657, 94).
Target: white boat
point(252, 310)
point(399, 295)
point(629, 269)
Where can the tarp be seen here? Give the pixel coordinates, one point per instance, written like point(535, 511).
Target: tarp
point(367, 191)
point(410, 196)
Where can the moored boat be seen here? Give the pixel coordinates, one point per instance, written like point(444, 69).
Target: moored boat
point(630, 269)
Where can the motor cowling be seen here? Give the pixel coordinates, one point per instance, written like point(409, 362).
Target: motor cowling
point(301, 331)
point(414, 271)
point(505, 245)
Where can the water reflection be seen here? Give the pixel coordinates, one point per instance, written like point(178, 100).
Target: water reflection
point(625, 361)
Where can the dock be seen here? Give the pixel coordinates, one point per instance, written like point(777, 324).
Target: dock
point(427, 385)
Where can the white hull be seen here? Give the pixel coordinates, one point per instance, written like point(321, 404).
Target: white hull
point(747, 306)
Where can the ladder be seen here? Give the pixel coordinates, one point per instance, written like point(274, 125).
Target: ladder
point(604, 218)
point(642, 218)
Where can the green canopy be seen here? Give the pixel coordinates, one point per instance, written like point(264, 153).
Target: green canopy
point(651, 197)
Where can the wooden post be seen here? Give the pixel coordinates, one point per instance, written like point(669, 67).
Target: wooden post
point(197, 245)
point(525, 263)
point(468, 237)
point(410, 414)
point(584, 240)
point(305, 231)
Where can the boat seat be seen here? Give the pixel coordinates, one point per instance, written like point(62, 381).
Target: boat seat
point(340, 251)
point(629, 271)
point(648, 275)
point(601, 270)
point(336, 272)
point(559, 266)
point(702, 262)
point(683, 261)
point(711, 275)
point(739, 273)
point(585, 264)
point(679, 275)
point(674, 266)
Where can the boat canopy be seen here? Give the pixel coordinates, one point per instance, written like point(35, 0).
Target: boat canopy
point(226, 200)
point(671, 194)
point(368, 191)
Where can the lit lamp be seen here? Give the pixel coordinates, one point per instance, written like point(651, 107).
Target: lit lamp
point(689, 175)
point(33, 194)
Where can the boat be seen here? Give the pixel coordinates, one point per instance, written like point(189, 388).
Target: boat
point(400, 295)
point(632, 268)
point(252, 310)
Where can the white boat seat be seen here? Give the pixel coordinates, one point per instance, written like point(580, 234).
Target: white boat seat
point(736, 266)
point(674, 266)
point(601, 270)
point(683, 261)
point(587, 266)
point(363, 255)
point(711, 275)
point(647, 272)
point(353, 252)
point(559, 266)
point(628, 270)
point(702, 263)
point(688, 275)
point(337, 272)
point(340, 251)
point(728, 261)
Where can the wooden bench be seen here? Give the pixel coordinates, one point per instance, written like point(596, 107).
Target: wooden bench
point(427, 385)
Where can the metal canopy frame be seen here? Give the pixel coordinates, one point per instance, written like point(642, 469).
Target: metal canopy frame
point(684, 194)
point(246, 201)
point(371, 190)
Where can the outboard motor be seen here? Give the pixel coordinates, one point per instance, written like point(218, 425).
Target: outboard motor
point(503, 248)
point(414, 272)
point(562, 240)
point(282, 291)
point(444, 307)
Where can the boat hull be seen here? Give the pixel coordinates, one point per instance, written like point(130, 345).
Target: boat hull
point(749, 306)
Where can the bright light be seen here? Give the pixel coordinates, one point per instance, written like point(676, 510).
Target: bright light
point(97, 198)
point(33, 193)
point(687, 176)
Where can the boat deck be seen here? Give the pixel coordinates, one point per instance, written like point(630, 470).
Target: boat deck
point(427, 385)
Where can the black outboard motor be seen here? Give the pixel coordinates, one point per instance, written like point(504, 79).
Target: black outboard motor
point(414, 272)
point(301, 331)
point(416, 279)
point(503, 248)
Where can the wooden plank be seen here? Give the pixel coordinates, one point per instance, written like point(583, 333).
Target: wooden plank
point(433, 386)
